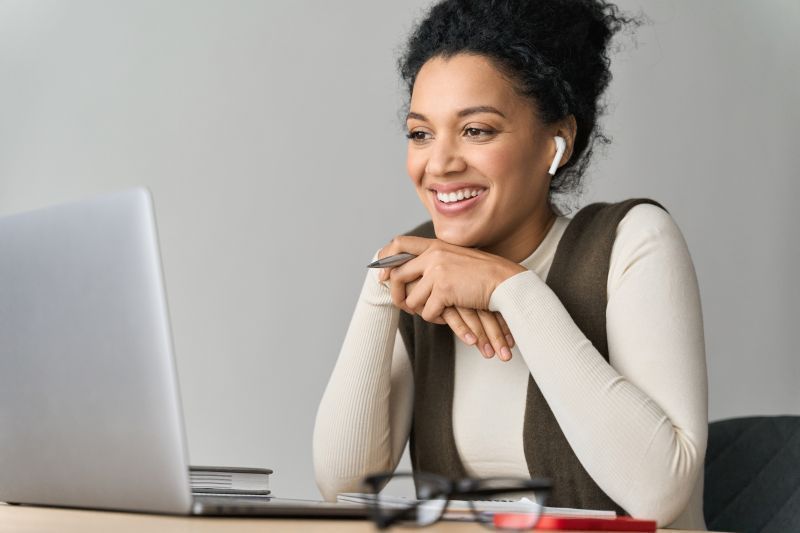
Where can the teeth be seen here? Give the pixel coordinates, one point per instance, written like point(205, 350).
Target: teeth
point(457, 195)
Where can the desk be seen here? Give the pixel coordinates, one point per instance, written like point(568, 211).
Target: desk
point(22, 519)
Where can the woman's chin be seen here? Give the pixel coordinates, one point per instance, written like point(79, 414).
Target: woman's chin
point(455, 235)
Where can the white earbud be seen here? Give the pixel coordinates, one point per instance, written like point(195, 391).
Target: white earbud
point(561, 146)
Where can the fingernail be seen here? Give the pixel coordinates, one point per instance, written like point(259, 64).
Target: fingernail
point(510, 341)
point(470, 338)
point(487, 349)
point(505, 353)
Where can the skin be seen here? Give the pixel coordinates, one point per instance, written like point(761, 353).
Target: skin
point(468, 124)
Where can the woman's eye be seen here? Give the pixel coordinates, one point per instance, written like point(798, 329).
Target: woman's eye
point(417, 135)
point(477, 132)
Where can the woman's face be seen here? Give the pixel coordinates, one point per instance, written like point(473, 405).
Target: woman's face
point(471, 133)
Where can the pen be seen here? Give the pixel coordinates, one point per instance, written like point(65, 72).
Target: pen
point(392, 261)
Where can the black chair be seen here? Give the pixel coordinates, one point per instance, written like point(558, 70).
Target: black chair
point(752, 475)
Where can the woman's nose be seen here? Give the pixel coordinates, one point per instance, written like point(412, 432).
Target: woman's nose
point(445, 158)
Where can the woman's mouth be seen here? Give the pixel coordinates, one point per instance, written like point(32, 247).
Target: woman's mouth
point(457, 201)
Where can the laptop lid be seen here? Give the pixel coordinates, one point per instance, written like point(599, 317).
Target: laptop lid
point(90, 413)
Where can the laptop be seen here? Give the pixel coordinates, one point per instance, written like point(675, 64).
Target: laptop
point(90, 411)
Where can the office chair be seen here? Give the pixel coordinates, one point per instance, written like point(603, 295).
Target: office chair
point(752, 475)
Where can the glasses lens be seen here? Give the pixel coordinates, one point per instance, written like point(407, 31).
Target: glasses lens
point(397, 502)
point(429, 511)
point(518, 506)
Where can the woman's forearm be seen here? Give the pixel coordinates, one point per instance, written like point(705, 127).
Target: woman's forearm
point(364, 416)
point(639, 424)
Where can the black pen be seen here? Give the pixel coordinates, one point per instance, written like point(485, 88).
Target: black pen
point(392, 261)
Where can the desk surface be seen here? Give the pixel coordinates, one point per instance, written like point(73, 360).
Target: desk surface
point(22, 519)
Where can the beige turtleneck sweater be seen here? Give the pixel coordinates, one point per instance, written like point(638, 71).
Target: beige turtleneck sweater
point(637, 423)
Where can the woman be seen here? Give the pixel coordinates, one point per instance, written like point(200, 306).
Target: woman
point(599, 381)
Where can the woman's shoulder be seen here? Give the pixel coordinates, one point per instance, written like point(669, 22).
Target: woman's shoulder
point(647, 238)
point(647, 221)
point(598, 227)
point(634, 218)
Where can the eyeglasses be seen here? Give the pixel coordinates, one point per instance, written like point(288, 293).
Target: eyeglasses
point(465, 499)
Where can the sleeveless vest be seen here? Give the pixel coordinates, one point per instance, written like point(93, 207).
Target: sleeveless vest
point(579, 277)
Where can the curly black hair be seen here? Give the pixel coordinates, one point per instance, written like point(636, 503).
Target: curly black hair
point(555, 52)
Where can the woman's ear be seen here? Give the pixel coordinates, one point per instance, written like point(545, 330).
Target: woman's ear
point(561, 146)
point(566, 128)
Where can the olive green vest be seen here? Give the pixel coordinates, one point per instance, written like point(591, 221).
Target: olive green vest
point(578, 276)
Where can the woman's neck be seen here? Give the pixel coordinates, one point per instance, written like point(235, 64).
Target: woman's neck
point(526, 239)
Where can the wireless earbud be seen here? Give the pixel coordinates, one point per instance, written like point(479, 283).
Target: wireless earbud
point(561, 146)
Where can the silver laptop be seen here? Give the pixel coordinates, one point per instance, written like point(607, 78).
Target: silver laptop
point(90, 413)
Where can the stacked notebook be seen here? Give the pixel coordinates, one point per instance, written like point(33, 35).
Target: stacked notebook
point(227, 481)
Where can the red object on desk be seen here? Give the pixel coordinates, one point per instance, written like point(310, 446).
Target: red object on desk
point(574, 523)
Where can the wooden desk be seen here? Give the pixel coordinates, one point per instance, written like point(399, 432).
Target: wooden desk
point(22, 519)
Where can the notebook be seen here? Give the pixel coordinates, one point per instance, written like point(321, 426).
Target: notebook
point(229, 481)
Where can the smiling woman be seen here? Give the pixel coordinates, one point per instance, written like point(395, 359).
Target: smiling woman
point(599, 381)
point(499, 149)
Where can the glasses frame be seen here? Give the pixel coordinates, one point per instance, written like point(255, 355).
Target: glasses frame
point(470, 489)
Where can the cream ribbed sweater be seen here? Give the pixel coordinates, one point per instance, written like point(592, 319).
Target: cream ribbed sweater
point(637, 423)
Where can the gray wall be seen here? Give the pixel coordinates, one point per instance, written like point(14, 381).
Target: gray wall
point(269, 135)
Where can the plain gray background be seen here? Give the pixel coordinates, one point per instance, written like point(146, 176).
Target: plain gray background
point(269, 133)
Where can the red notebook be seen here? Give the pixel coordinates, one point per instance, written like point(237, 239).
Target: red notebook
point(575, 523)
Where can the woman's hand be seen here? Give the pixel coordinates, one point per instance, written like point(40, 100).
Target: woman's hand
point(448, 276)
point(485, 329)
point(452, 284)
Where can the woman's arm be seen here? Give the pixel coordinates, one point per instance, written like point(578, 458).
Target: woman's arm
point(364, 418)
point(639, 424)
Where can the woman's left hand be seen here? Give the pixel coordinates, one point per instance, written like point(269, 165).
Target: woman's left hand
point(447, 276)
